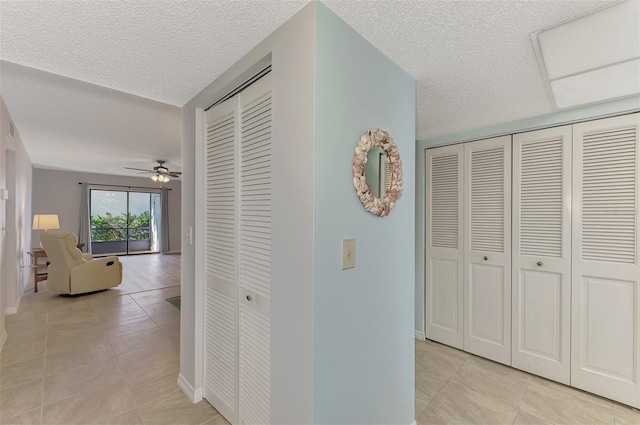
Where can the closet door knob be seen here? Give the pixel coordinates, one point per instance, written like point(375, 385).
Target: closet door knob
point(248, 297)
point(539, 263)
point(485, 258)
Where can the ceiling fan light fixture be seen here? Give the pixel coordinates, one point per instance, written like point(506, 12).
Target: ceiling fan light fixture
point(161, 178)
point(159, 173)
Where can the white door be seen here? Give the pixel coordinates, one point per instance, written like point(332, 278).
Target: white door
point(238, 255)
point(221, 260)
point(541, 256)
point(605, 333)
point(255, 251)
point(487, 248)
point(444, 252)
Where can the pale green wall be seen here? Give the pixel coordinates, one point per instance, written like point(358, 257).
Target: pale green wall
point(363, 317)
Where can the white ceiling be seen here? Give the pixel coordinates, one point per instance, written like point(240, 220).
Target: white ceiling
point(473, 61)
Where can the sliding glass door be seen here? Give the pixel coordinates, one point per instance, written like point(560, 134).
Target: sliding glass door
point(125, 222)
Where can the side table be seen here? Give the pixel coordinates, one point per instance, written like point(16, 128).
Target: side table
point(37, 253)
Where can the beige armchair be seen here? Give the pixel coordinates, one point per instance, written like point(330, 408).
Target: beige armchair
point(71, 271)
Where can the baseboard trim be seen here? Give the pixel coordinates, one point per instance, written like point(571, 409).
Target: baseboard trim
point(3, 338)
point(13, 309)
point(420, 335)
point(172, 253)
point(195, 395)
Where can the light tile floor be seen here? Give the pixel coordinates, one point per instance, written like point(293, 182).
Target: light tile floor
point(454, 387)
point(98, 358)
point(112, 357)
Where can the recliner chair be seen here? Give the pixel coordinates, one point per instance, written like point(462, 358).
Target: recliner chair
point(72, 272)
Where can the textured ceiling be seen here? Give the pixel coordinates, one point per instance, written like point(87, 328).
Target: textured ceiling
point(162, 50)
point(473, 60)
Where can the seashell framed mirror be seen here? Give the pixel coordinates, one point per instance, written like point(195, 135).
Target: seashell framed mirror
point(377, 172)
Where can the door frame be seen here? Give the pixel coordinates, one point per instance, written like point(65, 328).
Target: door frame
point(195, 235)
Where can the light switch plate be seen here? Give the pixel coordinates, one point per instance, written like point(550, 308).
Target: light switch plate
point(348, 253)
point(189, 236)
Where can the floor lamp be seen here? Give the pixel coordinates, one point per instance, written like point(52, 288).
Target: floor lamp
point(45, 222)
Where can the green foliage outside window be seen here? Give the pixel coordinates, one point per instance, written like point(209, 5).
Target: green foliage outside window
point(114, 227)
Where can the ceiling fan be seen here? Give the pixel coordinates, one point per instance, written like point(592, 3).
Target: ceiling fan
point(160, 173)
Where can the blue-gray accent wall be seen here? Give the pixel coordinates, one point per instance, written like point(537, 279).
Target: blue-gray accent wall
point(363, 317)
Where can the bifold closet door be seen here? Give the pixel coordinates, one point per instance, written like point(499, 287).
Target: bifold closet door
point(487, 248)
point(541, 256)
point(444, 295)
point(221, 260)
point(605, 333)
point(238, 255)
point(255, 252)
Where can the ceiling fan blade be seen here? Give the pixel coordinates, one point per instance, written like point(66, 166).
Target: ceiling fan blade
point(139, 169)
point(173, 174)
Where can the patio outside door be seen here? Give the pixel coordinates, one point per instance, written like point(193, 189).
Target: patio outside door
point(125, 222)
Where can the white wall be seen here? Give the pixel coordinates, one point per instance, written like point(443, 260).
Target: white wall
point(363, 317)
point(292, 56)
point(58, 192)
point(4, 123)
point(10, 266)
point(20, 194)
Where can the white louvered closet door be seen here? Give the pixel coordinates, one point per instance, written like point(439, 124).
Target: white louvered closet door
point(255, 251)
point(221, 260)
point(541, 257)
point(238, 255)
point(605, 332)
point(487, 248)
point(444, 302)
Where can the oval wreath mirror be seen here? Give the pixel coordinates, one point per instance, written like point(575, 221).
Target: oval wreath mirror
point(377, 172)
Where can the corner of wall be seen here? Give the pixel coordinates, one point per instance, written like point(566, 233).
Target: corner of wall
point(14, 308)
point(290, 48)
point(193, 394)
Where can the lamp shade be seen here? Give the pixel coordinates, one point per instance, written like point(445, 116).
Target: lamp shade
point(46, 222)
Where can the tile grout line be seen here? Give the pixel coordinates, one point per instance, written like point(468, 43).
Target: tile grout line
point(524, 393)
point(455, 373)
point(117, 360)
point(44, 365)
point(613, 414)
point(138, 405)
